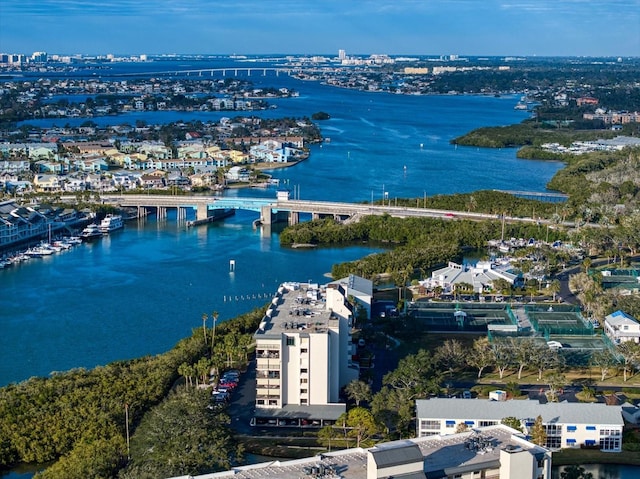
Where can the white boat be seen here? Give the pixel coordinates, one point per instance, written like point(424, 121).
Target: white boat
point(92, 231)
point(111, 223)
point(39, 251)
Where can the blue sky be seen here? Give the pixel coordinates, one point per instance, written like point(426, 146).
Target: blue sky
point(430, 27)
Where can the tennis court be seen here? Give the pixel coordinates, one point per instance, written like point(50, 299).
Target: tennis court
point(558, 319)
point(577, 350)
point(456, 316)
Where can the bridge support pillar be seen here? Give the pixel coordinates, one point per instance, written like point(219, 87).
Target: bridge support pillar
point(161, 212)
point(202, 212)
point(265, 215)
point(315, 216)
point(294, 218)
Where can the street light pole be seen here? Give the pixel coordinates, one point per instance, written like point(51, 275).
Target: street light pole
point(126, 415)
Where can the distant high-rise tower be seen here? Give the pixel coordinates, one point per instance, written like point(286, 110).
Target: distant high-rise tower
point(342, 54)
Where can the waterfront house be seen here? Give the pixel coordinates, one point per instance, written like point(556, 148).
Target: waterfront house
point(202, 179)
point(43, 150)
point(155, 149)
point(14, 166)
point(47, 183)
point(148, 181)
point(125, 180)
point(621, 327)
point(93, 165)
point(568, 425)
point(74, 184)
point(51, 167)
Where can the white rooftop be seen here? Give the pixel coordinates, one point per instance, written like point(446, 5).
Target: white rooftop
point(439, 454)
point(551, 412)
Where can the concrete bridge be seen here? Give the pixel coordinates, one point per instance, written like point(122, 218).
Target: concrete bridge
point(273, 210)
point(234, 71)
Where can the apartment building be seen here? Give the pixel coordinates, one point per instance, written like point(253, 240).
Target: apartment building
point(567, 424)
point(303, 356)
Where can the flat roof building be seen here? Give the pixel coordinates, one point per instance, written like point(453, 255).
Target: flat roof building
point(567, 424)
point(495, 451)
point(303, 356)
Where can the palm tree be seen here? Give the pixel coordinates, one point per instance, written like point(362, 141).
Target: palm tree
point(205, 316)
point(554, 287)
point(214, 318)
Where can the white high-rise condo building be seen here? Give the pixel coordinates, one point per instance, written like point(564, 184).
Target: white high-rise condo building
point(304, 353)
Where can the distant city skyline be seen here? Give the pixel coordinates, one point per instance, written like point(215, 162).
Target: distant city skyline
point(395, 27)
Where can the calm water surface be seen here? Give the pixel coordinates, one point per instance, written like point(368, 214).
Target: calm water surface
point(141, 290)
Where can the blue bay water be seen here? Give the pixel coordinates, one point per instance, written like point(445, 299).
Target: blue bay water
point(141, 290)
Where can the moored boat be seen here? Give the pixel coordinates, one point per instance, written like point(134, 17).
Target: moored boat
point(92, 231)
point(111, 223)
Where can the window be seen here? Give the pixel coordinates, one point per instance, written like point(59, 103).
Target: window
point(303, 391)
point(571, 428)
point(591, 428)
point(469, 423)
point(429, 424)
point(487, 423)
point(554, 442)
point(304, 380)
point(450, 424)
point(304, 350)
point(553, 429)
point(291, 341)
point(304, 401)
point(571, 442)
point(610, 443)
point(304, 371)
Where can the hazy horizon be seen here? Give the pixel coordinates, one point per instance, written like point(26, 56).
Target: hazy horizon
point(542, 28)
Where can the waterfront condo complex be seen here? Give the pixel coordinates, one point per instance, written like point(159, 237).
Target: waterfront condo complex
point(304, 352)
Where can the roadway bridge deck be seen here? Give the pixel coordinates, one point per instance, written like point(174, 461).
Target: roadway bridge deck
point(268, 208)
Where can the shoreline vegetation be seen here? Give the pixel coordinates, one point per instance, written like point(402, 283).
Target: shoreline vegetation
point(78, 421)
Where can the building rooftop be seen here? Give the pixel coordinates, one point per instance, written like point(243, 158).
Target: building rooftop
point(552, 412)
point(472, 450)
point(619, 318)
point(299, 308)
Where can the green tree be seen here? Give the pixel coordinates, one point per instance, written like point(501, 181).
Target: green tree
point(358, 391)
point(604, 360)
point(181, 436)
point(415, 376)
point(575, 472)
point(481, 355)
point(538, 432)
point(394, 413)
point(359, 424)
point(450, 355)
point(502, 357)
point(512, 422)
point(461, 427)
point(630, 353)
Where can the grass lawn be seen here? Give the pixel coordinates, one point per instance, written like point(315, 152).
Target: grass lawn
point(567, 457)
